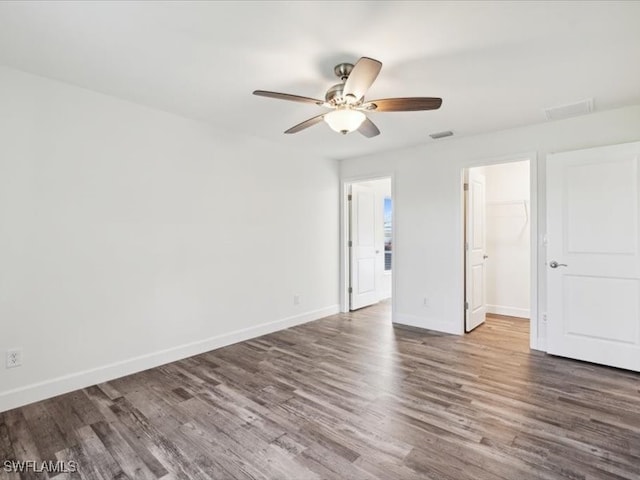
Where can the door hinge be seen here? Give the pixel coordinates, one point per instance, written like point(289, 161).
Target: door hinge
point(350, 290)
point(466, 186)
point(466, 245)
point(349, 197)
point(466, 305)
point(350, 243)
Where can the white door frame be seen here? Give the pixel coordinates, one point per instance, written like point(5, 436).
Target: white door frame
point(534, 322)
point(344, 237)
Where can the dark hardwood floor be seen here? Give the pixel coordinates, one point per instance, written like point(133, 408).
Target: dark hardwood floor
point(346, 397)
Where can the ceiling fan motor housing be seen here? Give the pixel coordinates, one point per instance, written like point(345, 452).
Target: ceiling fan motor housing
point(334, 94)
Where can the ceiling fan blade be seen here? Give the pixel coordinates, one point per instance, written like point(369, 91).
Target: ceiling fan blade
point(306, 124)
point(368, 129)
point(361, 78)
point(410, 104)
point(288, 96)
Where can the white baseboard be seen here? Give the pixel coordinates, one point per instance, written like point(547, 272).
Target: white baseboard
point(509, 311)
point(74, 381)
point(428, 323)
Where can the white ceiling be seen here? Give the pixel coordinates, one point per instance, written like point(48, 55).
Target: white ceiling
point(495, 64)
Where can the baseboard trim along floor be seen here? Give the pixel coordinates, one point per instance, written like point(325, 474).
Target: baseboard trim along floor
point(67, 383)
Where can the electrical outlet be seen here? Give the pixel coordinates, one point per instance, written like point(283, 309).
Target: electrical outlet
point(14, 358)
point(544, 317)
point(296, 299)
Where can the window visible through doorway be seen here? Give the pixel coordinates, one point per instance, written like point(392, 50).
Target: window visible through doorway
point(388, 247)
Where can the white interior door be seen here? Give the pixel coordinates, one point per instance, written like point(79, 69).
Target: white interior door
point(593, 266)
point(363, 247)
point(475, 273)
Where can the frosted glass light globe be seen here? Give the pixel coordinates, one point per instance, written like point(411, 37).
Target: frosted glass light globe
point(344, 120)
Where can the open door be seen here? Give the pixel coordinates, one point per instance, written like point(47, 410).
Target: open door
point(593, 255)
point(363, 255)
point(475, 245)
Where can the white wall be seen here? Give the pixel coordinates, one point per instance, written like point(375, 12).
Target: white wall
point(130, 237)
point(508, 238)
point(428, 205)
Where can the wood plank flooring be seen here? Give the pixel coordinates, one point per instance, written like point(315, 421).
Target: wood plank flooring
point(346, 397)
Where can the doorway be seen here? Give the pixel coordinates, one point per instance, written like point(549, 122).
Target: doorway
point(499, 241)
point(367, 238)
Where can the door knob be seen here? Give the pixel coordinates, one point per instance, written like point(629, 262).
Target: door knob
point(554, 264)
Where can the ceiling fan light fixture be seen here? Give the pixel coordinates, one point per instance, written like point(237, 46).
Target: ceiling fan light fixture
point(344, 120)
point(347, 99)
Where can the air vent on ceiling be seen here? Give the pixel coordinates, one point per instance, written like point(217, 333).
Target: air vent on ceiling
point(435, 136)
point(569, 110)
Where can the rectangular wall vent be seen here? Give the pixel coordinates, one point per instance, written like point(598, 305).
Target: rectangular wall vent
point(435, 136)
point(569, 110)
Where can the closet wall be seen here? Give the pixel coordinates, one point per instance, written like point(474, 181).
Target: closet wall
point(508, 241)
